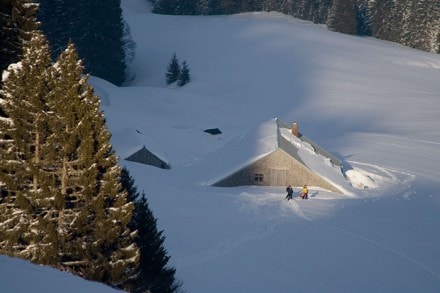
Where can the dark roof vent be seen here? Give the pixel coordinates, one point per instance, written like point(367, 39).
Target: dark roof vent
point(213, 131)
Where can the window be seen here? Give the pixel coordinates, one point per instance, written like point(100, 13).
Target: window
point(258, 178)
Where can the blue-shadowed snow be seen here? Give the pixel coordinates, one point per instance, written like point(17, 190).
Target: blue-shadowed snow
point(373, 104)
point(17, 276)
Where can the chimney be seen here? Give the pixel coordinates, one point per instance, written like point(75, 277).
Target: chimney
point(295, 128)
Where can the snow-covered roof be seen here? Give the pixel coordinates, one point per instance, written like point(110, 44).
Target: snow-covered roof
point(133, 141)
point(265, 139)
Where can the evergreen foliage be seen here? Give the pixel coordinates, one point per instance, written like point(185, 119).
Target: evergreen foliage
point(184, 77)
point(421, 25)
point(17, 21)
point(61, 201)
point(342, 17)
point(173, 70)
point(177, 72)
point(154, 275)
point(165, 6)
point(382, 16)
point(127, 184)
point(96, 214)
point(363, 19)
point(97, 29)
point(22, 154)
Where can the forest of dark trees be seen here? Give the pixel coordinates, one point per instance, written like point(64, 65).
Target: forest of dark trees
point(95, 27)
point(413, 23)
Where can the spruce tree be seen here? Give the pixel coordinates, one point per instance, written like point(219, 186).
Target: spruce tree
point(97, 29)
point(342, 17)
point(61, 201)
point(184, 76)
point(17, 21)
point(173, 70)
point(57, 21)
point(166, 6)
point(421, 24)
point(26, 201)
point(127, 184)
point(94, 213)
point(154, 274)
point(386, 19)
point(363, 18)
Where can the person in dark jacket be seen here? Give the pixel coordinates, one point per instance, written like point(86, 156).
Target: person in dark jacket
point(289, 190)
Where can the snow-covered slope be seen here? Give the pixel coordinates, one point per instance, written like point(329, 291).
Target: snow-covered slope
point(19, 276)
point(373, 104)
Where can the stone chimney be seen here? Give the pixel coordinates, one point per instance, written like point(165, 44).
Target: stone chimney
point(295, 128)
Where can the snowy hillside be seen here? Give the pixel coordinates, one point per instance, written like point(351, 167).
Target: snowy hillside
point(373, 104)
point(18, 276)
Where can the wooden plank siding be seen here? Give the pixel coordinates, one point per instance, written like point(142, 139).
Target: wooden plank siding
point(278, 168)
point(146, 157)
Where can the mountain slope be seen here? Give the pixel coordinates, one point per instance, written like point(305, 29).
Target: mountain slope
point(17, 275)
point(373, 104)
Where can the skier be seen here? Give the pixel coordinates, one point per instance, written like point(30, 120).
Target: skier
point(289, 190)
point(305, 192)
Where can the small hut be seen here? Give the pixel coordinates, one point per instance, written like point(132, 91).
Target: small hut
point(146, 157)
point(282, 162)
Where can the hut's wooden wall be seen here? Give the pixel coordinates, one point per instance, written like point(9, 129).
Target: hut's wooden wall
point(276, 169)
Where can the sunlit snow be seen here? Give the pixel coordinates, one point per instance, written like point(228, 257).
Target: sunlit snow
point(373, 104)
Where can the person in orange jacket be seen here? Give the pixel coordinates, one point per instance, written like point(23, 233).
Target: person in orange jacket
point(305, 192)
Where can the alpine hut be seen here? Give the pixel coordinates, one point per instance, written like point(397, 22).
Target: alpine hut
point(283, 156)
point(134, 146)
point(144, 156)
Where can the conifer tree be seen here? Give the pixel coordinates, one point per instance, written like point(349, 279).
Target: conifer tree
point(173, 70)
point(342, 17)
point(94, 213)
point(363, 18)
point(17, 21)
point(154, 274)
point(421, 24)
point(184, 76)
point(22, 148)
point(386, 20)
point(165, 6)
point(127, 183)
point(96, 27)
point(61, 201)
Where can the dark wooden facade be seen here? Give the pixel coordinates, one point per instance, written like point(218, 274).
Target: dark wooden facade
point(146, 157)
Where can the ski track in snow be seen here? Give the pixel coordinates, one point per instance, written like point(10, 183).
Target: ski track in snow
point(261, 230)
point(302, 213)
point(397, 178)
point(400, 180)
point(294, 206)
point(383, 246)
point(409, 139)
point(384, 170)
point(264, 225)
